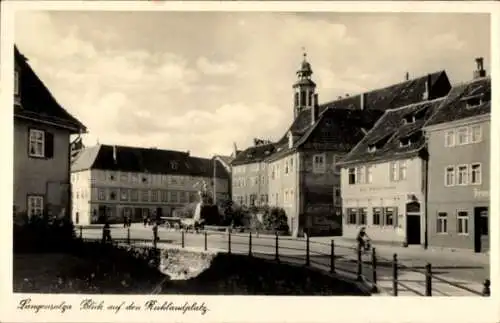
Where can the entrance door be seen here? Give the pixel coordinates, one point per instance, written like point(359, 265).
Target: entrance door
point(413, 223)
point(102, 214)
point(481, 229)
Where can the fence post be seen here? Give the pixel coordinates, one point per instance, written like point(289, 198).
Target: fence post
point(128, 235)
point(206, 244)
point(250, 244)
point(360, 263)
point(486, 288)
point(374, 270)
point(277, 257)
point(229, 243)
point(395, 275)
point(307, 251)
point(332, 257)
point(428, 280)
point(182, 238)
point(155, 236)
point(81, 232)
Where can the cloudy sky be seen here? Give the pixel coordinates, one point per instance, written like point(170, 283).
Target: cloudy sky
point(201, 81)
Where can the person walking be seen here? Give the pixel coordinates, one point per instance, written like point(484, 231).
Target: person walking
point(106, 233)
point(363, 239)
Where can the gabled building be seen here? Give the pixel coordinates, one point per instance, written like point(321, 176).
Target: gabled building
point(384, 177)
point(42, 129)
point(459, 166)
point(113, 182)
point(302, 172)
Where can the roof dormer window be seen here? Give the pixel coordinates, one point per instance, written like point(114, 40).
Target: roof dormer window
point(173, 165)
point(372, 148)
point(404, 142)
point(409, 119)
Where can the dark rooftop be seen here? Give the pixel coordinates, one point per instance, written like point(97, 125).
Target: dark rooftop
point(36, 101)
point(465, 100)
point(397, 134)
point(146, 160)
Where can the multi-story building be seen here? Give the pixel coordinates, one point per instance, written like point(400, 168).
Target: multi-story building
point(303, 177)
point(249, 174)
point(459, 166)
point(42, 130)
point(384, 177)
point(112, 182)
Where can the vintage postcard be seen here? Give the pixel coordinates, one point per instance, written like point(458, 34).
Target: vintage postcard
point(249, 161)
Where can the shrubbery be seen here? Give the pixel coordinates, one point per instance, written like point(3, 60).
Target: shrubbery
point(275, 220)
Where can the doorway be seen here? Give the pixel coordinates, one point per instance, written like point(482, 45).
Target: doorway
point(413, 223)
point(481, 229)
point(102, 214)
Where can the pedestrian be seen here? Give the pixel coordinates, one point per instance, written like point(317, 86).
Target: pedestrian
point(106, 233)
point(145, 219)
point(363, 239)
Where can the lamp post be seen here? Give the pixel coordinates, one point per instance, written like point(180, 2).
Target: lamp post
point(214, 179)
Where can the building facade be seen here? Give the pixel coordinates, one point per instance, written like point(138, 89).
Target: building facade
point(302, 172)
point(459, 167)
point(113, 182)
point(384, 178)
point(42, 130)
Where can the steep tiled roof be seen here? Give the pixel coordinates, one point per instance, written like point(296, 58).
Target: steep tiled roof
point(37, 103)
point(396, 126)
point(456, 105)
point(253, 154)
point(155, 161)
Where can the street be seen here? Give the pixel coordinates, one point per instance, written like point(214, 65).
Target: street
point(456, 268)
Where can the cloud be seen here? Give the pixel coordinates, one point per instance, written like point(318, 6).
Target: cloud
point(216, 68)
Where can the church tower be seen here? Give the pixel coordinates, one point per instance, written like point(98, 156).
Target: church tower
point(304, 88)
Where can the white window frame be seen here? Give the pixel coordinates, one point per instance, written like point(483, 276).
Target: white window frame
point(286, 166)
point(124, 194)
point(319, 163)
point(33, 143)
point(466, 175)
point(462, 218)
point(449, 134)
point(442, 222)
point(360, 175)
point(480, 134)
point(351, 171)
point(453, 174)
point(36, 199)
point(101, 194)
point(467, 136)
point(369, 174)
point(394, 171)
point(405, 168)
point(471, 170)
point(112, 176)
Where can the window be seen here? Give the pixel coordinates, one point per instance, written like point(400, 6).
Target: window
point(463, 136)
point(462, 222)
point(256, 180)
point(286, 166)
point(462, 178)
point(337, 191)
point(134, 195)
point(145, 196)
point(164, 179)
point(101, 194)
point(16, 83)
point(135, 178)
point(164, 196)
point(442, 222)
point(253, 197)
point(362, 216)
point(352, 175)
point(377, 214)
point(475, 174)
point(351, 216)
point(449, 176)
point(402, 170)
point(263, 179)
point(476, 133)
point(291, 164)
point(173, 165)
point(369, 174)
point(182, 197)
point(112, 176)
point(449, 138)
point(35, 205)
point(112, 195)
point(173, 197)
point(360, 175)
point(319, 163)
point(144, 179)
point(154, 196)
point(389, 216)
point(394, 171)
point(273, 172)
point(37, 143)
point(123, 194)
point(124, 177)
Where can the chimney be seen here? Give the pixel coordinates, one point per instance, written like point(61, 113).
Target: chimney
point(407, 76)
point(362, 101)
point(479, 72)
point(427, 93)
point(314, 110)
point(290, 139)
point(235, 149)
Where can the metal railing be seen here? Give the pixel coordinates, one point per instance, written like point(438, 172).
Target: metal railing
point(349, 261)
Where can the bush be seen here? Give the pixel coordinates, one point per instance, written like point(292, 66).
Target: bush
point(42, 233)
point(275, 220)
